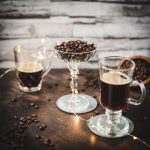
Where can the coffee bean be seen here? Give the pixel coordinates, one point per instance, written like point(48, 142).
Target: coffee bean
point(47, 141)
point(36, 107)
point(49, 100)
point(41, 128)
point(29, 121)
point(15, 117)
point(56, 84)
point(44, 126)
point(13, 100)
point(33, 115)
point(22, 118)
point(38, 137)
point(21, 123)
point(32, 104)
point(36, 121)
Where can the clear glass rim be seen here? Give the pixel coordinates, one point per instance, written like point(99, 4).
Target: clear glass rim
point(25, 49)
point(119, 58)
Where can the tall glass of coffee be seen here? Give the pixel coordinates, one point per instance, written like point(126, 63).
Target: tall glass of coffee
point(116, 79)
point(32, 64)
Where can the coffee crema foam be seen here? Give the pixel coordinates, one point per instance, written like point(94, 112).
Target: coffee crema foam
point(29, 67)
point(115, 78)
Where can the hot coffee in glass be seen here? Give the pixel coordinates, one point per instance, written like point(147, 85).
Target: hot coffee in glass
point(115, 83)
point(29, 74)
point(32, 64)
point(114, 90)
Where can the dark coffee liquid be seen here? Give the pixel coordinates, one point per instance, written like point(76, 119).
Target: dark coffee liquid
point(29, 75)
point(114, 90)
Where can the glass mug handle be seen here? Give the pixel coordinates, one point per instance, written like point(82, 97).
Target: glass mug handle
point(48, 65)
point(46, 59)
point(143, 93)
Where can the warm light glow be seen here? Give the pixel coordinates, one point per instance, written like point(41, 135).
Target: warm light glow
point(134, 138)
point(92, 139)
point(76, 120)
point(42, 40)
point(18, 48)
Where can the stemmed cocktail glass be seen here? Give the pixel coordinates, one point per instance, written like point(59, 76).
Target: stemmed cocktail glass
point(73, 57)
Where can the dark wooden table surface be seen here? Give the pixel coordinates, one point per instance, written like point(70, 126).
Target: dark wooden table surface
point(65, 131)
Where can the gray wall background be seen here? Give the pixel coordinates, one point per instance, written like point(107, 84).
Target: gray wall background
point(118, 27)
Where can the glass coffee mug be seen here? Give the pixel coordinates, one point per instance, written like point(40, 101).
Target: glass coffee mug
point(116, 78)
point(32, 64)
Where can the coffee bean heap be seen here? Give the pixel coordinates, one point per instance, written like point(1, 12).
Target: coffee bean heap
point(13, 100)
point(141, 71)
point(75, 50)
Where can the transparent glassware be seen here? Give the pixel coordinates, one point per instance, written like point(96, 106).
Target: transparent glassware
point(33, 62)
point(75, 102)
point(116, 78)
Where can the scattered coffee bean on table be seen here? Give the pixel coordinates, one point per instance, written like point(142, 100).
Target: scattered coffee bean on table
point(13, 100)
point(47, 141)
point(15, 137)
point(42, 127)
point(32, 104)
point(36, 107)
point(49, 100)
point(38, 137)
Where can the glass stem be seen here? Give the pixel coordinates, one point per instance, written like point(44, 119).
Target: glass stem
point(74, 83)
point(113, 117)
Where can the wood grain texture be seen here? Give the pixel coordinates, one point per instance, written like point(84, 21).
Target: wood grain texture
point(103, 45)
point(115, 26)
point(25, 9)
point(98, 9)
point(40, 27)
point(110, 1)
point(66, 131)
point(112, 31)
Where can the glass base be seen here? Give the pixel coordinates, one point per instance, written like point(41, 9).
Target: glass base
point(102, 127)
point(80, 104)
point(33, 89)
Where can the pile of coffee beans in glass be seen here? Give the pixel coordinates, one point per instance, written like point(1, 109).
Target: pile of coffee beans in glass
point(77, 50)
